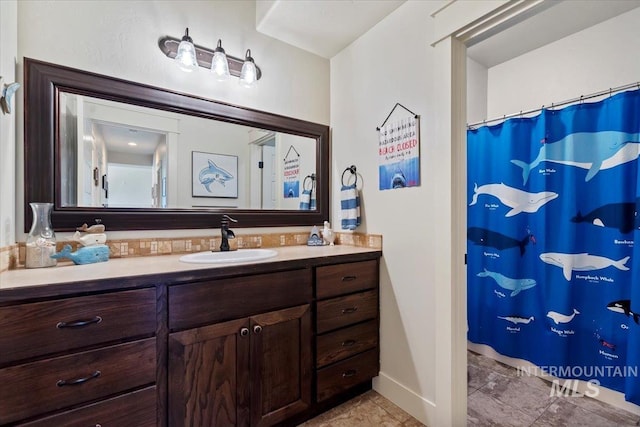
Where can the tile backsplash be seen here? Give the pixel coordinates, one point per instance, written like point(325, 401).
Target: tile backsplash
point(120, 248)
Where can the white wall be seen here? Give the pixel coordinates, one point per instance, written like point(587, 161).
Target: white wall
point(8, 55)
point(121, 40)
point(477, 81)
point(592, 60)
point(415, 222)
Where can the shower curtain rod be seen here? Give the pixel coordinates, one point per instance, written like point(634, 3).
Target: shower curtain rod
point(609, 91)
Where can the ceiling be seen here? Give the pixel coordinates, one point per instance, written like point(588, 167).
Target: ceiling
point(325, 27)
point(117, 138)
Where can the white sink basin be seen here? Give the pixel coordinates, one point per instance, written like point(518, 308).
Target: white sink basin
point(241, 255)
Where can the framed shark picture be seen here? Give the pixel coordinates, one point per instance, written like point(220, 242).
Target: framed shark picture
point(214, 175)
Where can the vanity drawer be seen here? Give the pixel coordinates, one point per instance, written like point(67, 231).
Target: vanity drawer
point(203, 303)
point(339, 279)
point(89, 375)
point(346, 374)
point(338, 312)
point(36, 329)
point(346, 342)
point(137, 409)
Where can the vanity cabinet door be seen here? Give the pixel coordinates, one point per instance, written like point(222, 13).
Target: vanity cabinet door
point(209, 375)
point(281, 364)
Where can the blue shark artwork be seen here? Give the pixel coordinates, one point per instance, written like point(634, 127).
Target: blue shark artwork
point(623, 307)
point(587, 150)
point(212, 173)
point(518, 200)
point(623, 216)
point(515, 319)
point(484, 237)
point(398, 180)
point(581, 262)
point(85, 255)
point(562, 318)
point(515, 285)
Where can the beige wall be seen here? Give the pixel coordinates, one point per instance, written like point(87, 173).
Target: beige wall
point(121, 39)
point(8, 122)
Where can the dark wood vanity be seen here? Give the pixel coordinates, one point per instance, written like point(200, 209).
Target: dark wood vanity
point(262, 344)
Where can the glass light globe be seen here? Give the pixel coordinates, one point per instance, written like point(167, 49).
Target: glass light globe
point(219, 63)
point(186, 55)
point(249, 73)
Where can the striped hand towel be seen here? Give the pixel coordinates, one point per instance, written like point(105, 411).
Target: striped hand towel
point(305, 200)
point(350, 207)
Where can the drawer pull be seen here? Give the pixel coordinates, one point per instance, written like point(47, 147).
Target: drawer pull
point(349, 373)
point(62, 383)
point(349, 310)
point(349, 278)
point(244, 332)
point(78, 323)
point(257, 329)
point(348, 343)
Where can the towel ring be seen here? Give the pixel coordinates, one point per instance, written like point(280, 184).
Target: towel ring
point(312, 178)
point(353, 170)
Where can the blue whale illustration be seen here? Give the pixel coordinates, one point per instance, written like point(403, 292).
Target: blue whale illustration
point(622, 216)
point(587, 150)
point(85, 255)
point(213, 173)
point(515, 285)
point(484, 237)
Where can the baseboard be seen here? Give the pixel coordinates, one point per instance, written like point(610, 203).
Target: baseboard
point(606, 395)
point(417, 406)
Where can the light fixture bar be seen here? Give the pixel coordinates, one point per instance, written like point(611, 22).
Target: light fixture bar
point(169, 46)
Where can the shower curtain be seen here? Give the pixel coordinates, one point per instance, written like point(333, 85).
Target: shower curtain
point(553, 272)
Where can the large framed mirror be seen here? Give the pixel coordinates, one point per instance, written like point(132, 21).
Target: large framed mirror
point(138, 157)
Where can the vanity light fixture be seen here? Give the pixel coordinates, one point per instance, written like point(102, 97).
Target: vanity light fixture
point(248, 75)
point(213, 59)
point(186, 53)
point(219, 63)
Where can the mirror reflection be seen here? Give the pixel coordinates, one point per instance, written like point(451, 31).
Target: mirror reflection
point(116, 155)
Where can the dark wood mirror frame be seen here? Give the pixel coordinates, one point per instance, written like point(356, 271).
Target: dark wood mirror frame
point(44, 81)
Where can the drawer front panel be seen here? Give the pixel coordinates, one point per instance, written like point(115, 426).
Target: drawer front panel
point(202, 303)
point(30, 330)
point(346, 342)
point(346, 374)
point(137, 409)
point(334, 280)
point(343, 311)
point(34, 388)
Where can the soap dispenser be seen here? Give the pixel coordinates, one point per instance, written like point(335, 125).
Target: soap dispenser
point(327, 234)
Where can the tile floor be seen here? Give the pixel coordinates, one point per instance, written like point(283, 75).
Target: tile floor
point(497, 397)
point(367, 410)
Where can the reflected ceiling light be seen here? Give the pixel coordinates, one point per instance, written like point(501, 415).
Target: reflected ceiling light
point(249, 74)
point(217, 60)
point(219, 63)
point(186, 53)
point(133, 144)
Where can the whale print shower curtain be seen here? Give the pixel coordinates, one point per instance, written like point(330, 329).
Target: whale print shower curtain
point(553, 271)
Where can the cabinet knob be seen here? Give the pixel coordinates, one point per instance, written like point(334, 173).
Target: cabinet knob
point(257, 329)
point(244, 332)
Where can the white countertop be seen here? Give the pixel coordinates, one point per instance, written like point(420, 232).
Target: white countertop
point(138, 266)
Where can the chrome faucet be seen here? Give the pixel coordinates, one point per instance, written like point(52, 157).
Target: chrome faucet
point(226, 233)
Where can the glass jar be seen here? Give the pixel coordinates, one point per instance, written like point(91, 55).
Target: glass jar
point(41, 241)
